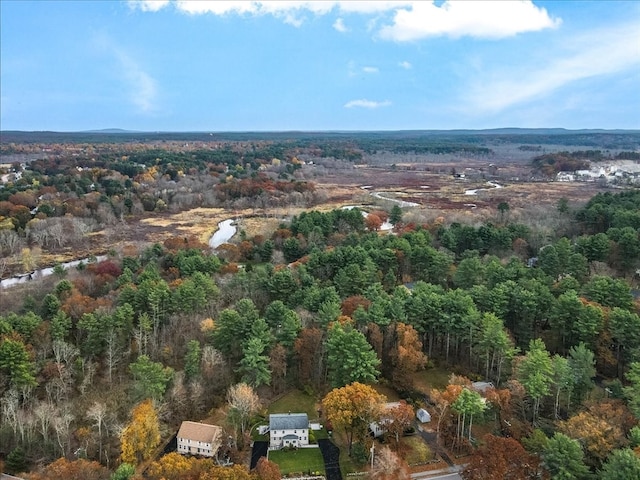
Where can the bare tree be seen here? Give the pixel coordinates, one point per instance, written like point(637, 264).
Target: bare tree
point(62, 426)
point(113, 353)
point(10, 404)
point(243, 403)
point(389, 466)
point(142, 333)
point(97, 413)
point(10, 242)
point(44, 412)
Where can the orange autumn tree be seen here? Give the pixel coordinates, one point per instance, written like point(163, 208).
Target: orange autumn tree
point(397, 419)
point(267, 470)
point(63, 469)
point(445, 398)
point(142, 435)
point(406, 355)
point(499, 457)
point(351, 408)
point(600, 429)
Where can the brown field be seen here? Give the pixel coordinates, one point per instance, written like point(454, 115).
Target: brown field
point(431, 186)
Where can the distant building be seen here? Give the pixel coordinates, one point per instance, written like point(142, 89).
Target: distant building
point(423, 416)
point(288, 430)
point(482, 387)
point(378, 428)
point(199, 439)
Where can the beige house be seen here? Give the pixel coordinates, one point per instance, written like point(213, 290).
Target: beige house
point(199, 439)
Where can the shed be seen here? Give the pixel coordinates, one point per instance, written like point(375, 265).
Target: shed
point(423, 415)
point(482, 387)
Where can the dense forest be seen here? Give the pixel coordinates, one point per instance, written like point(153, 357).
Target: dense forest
point(100, 364)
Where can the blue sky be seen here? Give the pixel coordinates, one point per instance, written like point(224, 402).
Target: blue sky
point(181, 65)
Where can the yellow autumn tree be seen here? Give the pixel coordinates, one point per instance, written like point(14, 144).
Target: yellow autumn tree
point(142, 435)
point(174, 466)
point(351, 408)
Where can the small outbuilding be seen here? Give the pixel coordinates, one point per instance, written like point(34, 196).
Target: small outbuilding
point(423, 416)
point(482, 387)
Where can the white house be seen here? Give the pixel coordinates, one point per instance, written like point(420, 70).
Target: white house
point(378, 428)
point(199, 439)
point(288, 430)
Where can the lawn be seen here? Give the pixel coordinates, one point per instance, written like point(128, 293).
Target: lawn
point(301, 460)
point(416, 451)
point(295, 401)
point(436, 377)
point(390, 393)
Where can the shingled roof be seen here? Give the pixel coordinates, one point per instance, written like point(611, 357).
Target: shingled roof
point(288, 421)
point(199, 432)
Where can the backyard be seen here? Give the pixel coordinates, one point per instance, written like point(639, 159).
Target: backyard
point(301, 460)
point(413, 449)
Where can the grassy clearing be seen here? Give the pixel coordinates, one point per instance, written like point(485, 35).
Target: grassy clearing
point(416, 451)
point(295, 401)
point(301, 460)
point(390, 393)
point(436, 377)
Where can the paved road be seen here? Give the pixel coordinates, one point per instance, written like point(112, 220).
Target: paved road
point(430, 476)
point(432, 440)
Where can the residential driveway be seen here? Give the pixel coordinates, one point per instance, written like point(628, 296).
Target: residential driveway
point(172, 446)
point(331, 456)
point(259, 450)
point(432, 440)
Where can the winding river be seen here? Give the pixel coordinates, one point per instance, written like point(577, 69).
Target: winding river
point(476, 190)
point(226, 230)
point(45, 272)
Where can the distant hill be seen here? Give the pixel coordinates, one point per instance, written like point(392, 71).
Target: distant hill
point(591, 138)
point(110, 130)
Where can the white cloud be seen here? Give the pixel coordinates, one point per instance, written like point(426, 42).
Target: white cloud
point(142, 87)
point(413, 20)
point(217, 7)
point(340, 26)
point(148, 5)
point(614, 52)
point(478, 18)
point(406, 65)
point(364, 103)
point(370, 69)
point(274, 7)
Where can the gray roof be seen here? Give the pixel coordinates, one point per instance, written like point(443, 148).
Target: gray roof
point(288, 421)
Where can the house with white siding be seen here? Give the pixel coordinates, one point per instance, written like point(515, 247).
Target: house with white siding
point(199, 439)
point(288, 430)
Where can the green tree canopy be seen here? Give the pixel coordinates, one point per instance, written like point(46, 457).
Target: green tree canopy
point(151, 378)
point(564, 459)
point(350, 358)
